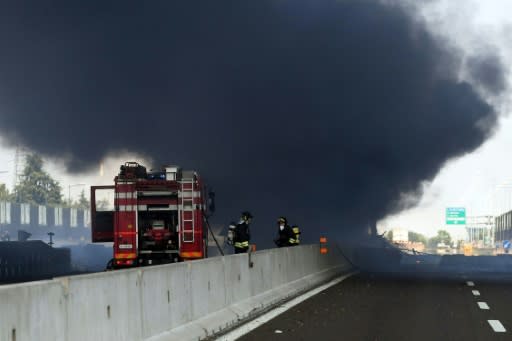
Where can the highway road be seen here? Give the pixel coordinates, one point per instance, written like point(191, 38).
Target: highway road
point(365, 307)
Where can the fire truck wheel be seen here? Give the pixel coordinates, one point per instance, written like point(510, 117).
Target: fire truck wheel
point(110, 265)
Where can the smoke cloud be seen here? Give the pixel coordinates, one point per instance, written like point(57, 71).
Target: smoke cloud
point(323, 111)
point(487, 72)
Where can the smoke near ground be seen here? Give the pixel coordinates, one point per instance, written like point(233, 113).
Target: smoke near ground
point(323, 111)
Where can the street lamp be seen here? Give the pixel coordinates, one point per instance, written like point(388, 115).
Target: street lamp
point(69, 191)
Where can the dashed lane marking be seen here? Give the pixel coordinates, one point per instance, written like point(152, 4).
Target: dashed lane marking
point(470, 284)
point(475, 292)
point(497, 326)
point(483, 305)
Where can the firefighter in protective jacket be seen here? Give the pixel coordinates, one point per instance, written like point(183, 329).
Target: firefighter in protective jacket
point(296, 234)
point(285, 233)
point(242, 234)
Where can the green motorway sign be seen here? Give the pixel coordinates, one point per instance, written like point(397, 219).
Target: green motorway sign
point(455, 216)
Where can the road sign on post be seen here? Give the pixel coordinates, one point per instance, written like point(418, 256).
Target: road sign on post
point(455, 216)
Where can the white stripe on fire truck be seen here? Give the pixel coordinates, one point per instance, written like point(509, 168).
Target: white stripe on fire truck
point(156, 193)
point(168, 208)
point(131, 208)
point(133, 195)
point(127, 195)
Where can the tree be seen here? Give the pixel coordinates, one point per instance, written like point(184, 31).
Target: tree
point(82, 203)
point(4, 193)
point(36, 185)
point(389, 235)
point(442, 237)
point(417, 237)
point(103, 205)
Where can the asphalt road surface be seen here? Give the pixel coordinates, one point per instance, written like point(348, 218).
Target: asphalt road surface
point(377, 308)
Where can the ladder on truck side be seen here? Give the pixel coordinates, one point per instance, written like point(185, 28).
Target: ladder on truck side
point(186, 209)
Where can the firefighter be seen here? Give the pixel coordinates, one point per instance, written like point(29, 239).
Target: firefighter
point(242, 234)
point(231, 233)
point(296, 234)
point(285, 233)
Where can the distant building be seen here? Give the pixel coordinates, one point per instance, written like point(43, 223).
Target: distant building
point(400, 235)
point(479, 230)
point(503, 227)
point(66, 223)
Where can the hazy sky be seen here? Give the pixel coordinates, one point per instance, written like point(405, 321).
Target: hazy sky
point(302, 129)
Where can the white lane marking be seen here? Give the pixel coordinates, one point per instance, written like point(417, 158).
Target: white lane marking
point(248, 327)
point(475, 292)
point(470, 284)
point(483, 305)
point(497, 326)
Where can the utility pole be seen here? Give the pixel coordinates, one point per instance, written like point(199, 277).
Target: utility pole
point(18, 164)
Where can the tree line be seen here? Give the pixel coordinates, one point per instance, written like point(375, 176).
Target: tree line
point(441, 237)
point(36, 186)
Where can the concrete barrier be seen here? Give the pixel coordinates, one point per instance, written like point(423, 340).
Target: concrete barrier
point(33, 311)
point(184, 301)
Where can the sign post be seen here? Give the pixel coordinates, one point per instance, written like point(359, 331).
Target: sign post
point(455, 216)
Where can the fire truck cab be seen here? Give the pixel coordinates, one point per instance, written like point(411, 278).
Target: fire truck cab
point(151, 217)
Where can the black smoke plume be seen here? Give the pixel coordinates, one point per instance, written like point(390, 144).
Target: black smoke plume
point(323, 111)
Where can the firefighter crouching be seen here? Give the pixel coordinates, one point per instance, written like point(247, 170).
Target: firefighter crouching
point(286, 237)
point(241, 233)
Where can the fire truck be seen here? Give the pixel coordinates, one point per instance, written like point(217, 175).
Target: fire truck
point(157, 217)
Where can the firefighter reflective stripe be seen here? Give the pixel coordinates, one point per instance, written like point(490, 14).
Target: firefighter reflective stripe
point(292, 241)
point(296, 232)
point(241, 244)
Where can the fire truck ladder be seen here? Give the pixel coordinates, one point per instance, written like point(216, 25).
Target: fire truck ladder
point(187, 210)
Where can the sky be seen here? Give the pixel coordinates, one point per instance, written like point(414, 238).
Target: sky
point(334, 114)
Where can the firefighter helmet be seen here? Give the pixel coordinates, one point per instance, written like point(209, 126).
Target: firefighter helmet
point(246, 215)
point(281, 220)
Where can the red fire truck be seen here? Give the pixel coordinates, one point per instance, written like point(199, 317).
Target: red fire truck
point(156, 217)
